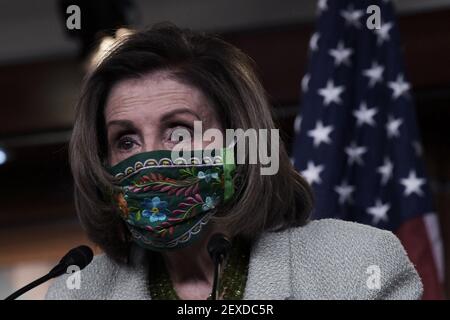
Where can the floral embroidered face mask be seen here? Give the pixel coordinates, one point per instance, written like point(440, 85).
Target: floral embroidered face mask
point(166, 204)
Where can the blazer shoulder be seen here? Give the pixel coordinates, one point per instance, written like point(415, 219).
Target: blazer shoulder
point(342, 233)
point(350, 255)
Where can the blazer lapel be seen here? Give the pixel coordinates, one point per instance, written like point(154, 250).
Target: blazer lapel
point(269, 271)
point(132, 280)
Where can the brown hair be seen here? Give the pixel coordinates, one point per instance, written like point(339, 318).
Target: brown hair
point(227, 78)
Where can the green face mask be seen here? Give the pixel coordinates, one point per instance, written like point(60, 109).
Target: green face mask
point(166, 204)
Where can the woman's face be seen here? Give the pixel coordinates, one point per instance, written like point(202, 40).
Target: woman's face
point(141, 115)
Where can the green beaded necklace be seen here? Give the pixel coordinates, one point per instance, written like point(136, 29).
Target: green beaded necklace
point(233, 281)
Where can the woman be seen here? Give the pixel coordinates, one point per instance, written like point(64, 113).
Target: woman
point(153, 216)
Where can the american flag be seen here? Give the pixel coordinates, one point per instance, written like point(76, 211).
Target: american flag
point(357, 141)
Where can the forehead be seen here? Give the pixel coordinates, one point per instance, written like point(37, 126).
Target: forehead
point(152, 94)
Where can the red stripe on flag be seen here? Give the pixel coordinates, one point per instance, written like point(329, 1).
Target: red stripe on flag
point(414, 237)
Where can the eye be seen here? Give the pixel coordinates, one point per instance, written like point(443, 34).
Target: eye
point(177, 132)
point(126, 143)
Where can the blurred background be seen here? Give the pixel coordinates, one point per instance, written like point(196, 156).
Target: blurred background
point(42, 65)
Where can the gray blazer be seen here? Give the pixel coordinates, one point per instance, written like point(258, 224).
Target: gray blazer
point(326, 259)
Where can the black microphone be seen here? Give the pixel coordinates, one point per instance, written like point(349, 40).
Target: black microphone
point(80, 256)
point(218, 248)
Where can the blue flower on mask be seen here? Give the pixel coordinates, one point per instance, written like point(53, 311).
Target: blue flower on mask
point(208, 175)
point(155, 209)
point(209, 204)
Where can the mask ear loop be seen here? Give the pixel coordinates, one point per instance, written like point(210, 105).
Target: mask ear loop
point(231, 147)
point(229, 167)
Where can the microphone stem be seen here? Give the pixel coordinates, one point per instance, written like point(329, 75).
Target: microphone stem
point(28, 287)
point(216, 283)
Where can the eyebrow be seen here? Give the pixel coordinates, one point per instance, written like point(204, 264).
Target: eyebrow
point(126, 124)
point(129, 125)
point(177, 111)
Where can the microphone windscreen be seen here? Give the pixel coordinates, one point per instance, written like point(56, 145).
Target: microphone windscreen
point(218, 245)
point(80, 256)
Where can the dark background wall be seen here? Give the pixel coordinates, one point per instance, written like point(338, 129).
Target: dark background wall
point(39, 84)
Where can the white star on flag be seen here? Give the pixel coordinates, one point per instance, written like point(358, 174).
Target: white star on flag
point(354, 153)
point(412, 184)
point(375, 74)
point(312, 173)
point(305, 82)
point(364, 115)
point(399, 87)
point(297, 124)
point(320, 134)
point(314, 41)
point(386, 170)
point(352, 16)
point(345, 192)
point(331, 93)
point(322, 5)
point(341, 54)
point(393, 126)
point(379, 212)
point(383, 32)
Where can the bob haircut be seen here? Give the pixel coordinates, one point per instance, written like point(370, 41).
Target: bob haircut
point(226, 76)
